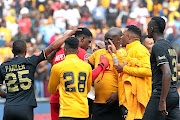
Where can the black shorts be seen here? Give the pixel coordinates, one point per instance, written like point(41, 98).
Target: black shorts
point(18, 112)
point(90, 103)
point(69, 118)
point(106, 111)
point(152, 113)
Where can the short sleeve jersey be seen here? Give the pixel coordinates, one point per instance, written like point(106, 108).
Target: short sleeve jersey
point(162, 53)
point(105, 84)
point(18, 74)
point(74, 77)
point(60, 57)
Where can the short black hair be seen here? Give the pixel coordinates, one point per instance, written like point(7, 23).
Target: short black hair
point(72, 43)
point(134, 29)
point(19, 47)
point(143, 37)
point(160, 23)
point(85, 32)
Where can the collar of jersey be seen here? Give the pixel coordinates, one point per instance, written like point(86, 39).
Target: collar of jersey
point(71, 56)
point(128, 46)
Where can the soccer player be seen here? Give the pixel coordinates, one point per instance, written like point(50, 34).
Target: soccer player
point(85, 37)
point(18, 74)
point(163, 104)
point(106, 85)
point(131, 40)
point(147, 42)
point(74, 78)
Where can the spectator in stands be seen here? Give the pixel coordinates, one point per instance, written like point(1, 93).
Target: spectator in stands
point(20, 36)
point(123, 17)
point(5, 33)
point(85, 14)
point(55, 36)
point(99, 18)
point(111, 14)
point(40, 76)
point(60, 18)
point(73, 16)
point(25, 22)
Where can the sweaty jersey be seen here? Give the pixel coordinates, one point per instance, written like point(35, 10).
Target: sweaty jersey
point(105, 84)
point(18, 74)
point(163, 52)
point(60, 57)
point(74, 78)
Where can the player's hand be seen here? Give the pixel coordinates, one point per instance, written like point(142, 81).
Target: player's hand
point(72, 32)
point(119, 67)
point(111, 47)
point(162, 108)
point(112, 98)
point(104, 62)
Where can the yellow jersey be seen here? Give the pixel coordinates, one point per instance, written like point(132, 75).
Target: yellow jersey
point(5, 33)
point(74, 78)
point(137, 50)
point(105, 84)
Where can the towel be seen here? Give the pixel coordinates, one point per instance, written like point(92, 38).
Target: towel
point(135, 91)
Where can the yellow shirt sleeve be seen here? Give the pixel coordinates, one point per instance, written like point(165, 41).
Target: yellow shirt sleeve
point(89, 82)
point(91, 58)
point(54, 79)
point(145, 71)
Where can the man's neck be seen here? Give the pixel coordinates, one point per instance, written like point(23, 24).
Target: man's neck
point(157, 37)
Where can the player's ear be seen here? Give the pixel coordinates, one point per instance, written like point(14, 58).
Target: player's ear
point(82, 39)
point(152, 29)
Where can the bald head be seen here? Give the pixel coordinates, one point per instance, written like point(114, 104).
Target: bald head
point(114, 31)
point(114, 34)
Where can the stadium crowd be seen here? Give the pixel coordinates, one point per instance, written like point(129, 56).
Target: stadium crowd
point(41, 22)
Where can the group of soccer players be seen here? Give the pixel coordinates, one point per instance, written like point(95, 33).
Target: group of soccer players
point(123, 90)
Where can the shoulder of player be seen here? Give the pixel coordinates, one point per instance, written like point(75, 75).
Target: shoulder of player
point(100, 51)
point(83, 63)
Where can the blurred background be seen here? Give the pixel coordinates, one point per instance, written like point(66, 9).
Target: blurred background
point(40, 22)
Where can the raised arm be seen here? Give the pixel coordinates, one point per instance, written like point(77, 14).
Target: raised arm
point(58, 43)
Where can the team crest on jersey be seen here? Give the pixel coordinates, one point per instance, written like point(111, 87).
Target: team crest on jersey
point(38, 53)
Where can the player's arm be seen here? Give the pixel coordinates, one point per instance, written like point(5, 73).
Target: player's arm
point(58, 43)
point(51, 56)
point(166, 81)
point(103, 63)
point(144, 71)
point(54, 80)
point(2, 93)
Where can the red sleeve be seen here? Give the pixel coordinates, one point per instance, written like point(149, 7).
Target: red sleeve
point(59, 56)
point(82, 55)
point(96, 72)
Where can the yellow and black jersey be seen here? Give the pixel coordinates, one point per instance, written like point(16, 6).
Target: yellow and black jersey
point(105, 84)
point(74, 78)
point(18, 74)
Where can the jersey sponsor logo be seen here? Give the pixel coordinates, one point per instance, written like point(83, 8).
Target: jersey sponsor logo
point(38, 53)
point(86, 58)
point(60, 57)
point(161, 57)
